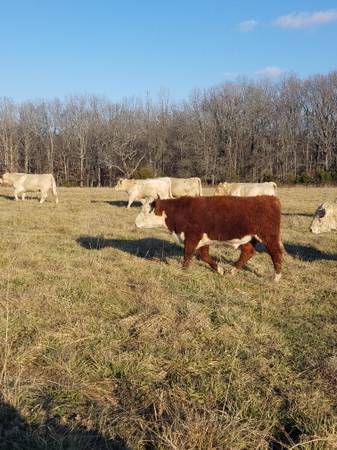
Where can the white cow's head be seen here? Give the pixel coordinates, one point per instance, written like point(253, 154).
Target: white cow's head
point(151, 215)
point(6, 179)
point(325, 218)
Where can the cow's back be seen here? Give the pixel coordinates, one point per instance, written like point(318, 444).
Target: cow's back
point(186, 186)
point(247, 189)
point(151, 188)
point(36, 181)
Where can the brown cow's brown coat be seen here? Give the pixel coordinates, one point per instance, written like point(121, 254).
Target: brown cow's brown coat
point(225, 218)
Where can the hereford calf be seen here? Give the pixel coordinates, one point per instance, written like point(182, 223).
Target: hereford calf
point(239, 222)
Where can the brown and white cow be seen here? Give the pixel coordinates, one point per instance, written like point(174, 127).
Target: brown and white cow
point(240, 222)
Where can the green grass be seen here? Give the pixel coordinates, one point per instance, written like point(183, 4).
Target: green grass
point(107, 343)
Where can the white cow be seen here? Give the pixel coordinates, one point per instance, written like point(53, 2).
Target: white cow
point(246, 189)
point(26, 182)
point(325, 218)
point(148, 189)
point(186, 186)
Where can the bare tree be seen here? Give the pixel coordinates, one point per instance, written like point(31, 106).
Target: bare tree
point(9, 134)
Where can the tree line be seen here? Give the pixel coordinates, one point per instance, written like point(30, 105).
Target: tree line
point(246, 130)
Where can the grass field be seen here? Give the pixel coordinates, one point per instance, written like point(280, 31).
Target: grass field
point(106, 343)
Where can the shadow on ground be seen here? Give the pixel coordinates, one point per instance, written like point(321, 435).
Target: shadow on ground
point(17, 434)
point(7, 197)
point(119, 203)
point(27, 198)
point(148, 248)
point(306, 253)
point(299, 214)
point(143, 248)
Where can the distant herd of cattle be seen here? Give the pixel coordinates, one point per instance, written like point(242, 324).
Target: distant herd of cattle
point(240, 214)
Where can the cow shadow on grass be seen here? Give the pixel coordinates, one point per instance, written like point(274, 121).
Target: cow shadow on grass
point(27, 198)
point(150, 248)
point(298, 214)
point(307, 253)
point(119, 203)
point(17, 433)
point(147, 248)
point(7, 197)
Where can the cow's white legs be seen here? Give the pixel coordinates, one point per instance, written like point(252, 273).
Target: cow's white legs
point(274, 249)
point(234, 271)
point(16, 193)
point(277, 277)
point(131, 200)
point(43, 196)
point(220, 270)
point(23, 196)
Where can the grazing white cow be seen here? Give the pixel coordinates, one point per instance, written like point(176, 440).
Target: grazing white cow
point(246, 189)
point(186, 186)
point(325, 218)
point(142, 190)
point(26, 182)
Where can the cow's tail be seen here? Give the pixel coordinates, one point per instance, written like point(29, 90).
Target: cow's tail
point(53, 185)
point(170, 187)
point(200, 187)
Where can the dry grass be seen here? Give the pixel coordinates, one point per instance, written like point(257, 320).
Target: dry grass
point(107, 343)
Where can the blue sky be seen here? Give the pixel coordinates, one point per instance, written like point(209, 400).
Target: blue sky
point(128, 48)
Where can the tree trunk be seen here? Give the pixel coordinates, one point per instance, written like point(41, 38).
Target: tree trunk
point(99, 184)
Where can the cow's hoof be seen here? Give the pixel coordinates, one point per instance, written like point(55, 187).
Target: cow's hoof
point(220, 270)
point(234, 271)
point(277, 277)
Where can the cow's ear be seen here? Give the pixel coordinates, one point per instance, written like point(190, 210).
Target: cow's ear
point(158, 197)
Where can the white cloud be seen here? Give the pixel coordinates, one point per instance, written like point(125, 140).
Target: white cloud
point(230, 74)
point(306, 20)
point(247, 25)
point(271, 72)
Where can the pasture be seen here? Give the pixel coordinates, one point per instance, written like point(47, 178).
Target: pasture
point(106, 343)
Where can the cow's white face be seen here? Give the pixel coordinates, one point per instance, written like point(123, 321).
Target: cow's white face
point(148, 219)
point(325, 219)
point(6, 180)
